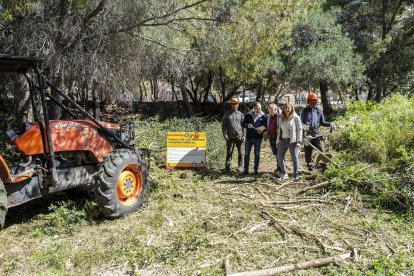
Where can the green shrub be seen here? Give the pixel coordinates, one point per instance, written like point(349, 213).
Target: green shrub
point(376, 132)
point(53, 257)
point(152, 134)
point(63, 218)
point(381, 135)
point(398, 264)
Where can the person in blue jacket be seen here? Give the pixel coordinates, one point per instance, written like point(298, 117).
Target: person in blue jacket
point(255, 123)
point(312, 117)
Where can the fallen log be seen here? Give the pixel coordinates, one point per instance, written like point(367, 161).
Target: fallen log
point(295, 230)
point(322, 184)
point(291, 207)
point(299, 266)
point(282, 228)
point(299, 201)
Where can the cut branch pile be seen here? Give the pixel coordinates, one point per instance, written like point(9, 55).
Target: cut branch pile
point(287, 197)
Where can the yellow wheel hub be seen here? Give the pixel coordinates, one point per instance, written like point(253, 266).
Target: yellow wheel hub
point(129, 185)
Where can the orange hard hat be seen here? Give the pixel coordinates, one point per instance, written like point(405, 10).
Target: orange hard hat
point(312, 96)
point(234, 100)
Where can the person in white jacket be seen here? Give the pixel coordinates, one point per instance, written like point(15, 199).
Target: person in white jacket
point(289, 137)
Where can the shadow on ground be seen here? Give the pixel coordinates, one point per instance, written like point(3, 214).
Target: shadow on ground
point(40, 206)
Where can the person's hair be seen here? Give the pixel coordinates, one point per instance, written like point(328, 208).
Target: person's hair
point(284, 115)
point(256, 104)
point(234, 101)
point(272, 105)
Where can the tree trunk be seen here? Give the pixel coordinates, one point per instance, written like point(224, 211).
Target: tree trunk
point(356, 90)
point(145, 92)
point(370, 93)
point(380, 89)
point(85, 97)
point(22, 100)
point(96, 107)
point(259, 93)
point(194, 86)
point(208, 86)
point(154, 89)
point(174, 93)
point(55, 111)
point(188, 108)
point(223, 92)
point(327, 108)
point(174, 96)
point(141, 93)
point(207, 90)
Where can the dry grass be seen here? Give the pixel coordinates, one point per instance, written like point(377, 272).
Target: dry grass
point(191, 222)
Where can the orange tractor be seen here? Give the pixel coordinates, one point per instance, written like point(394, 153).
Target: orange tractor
point(56, 155)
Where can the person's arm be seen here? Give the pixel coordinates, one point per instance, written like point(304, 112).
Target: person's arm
point(265, 122)
point(279, 132)
point(243, 128)
point(245, 121)
point(299, 130)
point(261, 128)
point(224, 125)
point(302, 116)
point(322, 120)
point(277, 124)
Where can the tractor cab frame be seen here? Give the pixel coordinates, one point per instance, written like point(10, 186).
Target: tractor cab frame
point(52, 146)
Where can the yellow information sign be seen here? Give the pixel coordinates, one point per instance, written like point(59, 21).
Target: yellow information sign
point(186, 150)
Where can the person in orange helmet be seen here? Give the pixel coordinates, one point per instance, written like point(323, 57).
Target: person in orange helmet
point(312, 118)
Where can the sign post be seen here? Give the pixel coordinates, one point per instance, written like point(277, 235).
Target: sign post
point(186, 150)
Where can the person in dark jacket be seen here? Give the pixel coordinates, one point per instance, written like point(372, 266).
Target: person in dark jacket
point(233, 133)
point(273, 123)
point(255, 123)
point(312, 118)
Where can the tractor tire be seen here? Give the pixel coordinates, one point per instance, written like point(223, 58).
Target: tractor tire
point(3, 204)
point(121, 183)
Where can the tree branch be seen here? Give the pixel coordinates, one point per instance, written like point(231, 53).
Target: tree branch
point(145, 22)
point(394, 15)
point(184, 19)
point(95, 12)
point(78, 38)
point(163, 45)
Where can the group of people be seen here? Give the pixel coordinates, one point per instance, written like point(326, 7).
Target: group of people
point(285, 130)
